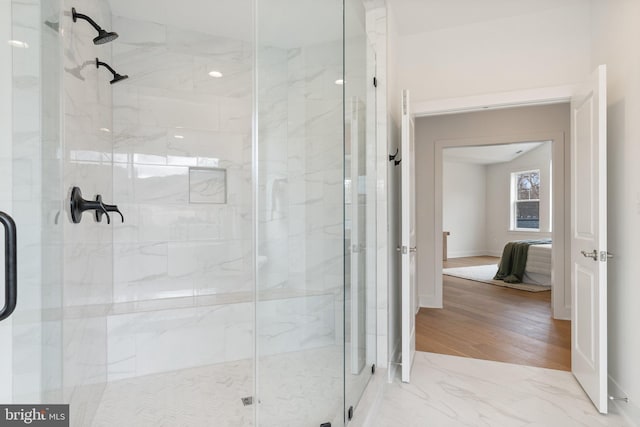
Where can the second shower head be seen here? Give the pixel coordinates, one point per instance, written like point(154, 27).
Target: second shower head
point(116, 77)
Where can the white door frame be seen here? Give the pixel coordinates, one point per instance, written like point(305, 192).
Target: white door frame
point(408, 239)
point(561, 289)
point(561, 304)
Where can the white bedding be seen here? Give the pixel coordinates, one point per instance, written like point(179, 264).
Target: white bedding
point(538, 268)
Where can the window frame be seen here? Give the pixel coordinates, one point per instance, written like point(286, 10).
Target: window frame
point(513, 199)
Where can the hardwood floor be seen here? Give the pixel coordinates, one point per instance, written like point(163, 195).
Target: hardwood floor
point(489, 322)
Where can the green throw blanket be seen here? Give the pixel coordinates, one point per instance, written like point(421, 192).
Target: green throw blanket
point(514, 260)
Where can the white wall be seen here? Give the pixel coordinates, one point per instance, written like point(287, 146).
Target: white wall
point(568, 43)
point(615, 36)
point(499, 198)
point(464, 207)
point(541, 49)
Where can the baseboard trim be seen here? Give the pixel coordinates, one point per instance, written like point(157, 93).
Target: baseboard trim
point(429, 301)
point(628, 410)
point(562, 314)
point(463, 254)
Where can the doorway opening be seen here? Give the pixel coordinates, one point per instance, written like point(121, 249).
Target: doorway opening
point(493, 195)
point(476, 201)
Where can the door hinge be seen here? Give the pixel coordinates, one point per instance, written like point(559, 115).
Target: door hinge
point(375, 82)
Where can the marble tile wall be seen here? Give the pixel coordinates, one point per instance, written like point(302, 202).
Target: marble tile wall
point(312, 74)
point(156, 341)
point(300, 167)
point(300, 228)
point(170, 116)
point(173, 123)
point(88, 247)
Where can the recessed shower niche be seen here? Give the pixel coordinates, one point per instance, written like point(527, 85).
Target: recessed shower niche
point(208, 185)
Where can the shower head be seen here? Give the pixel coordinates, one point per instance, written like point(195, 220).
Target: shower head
point(103, 36)
point(116, 77)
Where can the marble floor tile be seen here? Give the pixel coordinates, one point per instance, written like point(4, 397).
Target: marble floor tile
point(455, 391)
point(298, 389)
point(204, 396)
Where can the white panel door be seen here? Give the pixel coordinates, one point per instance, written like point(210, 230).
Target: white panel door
point(589, 237)
point(408, 239)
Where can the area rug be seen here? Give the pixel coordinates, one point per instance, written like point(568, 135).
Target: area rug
point(486, 273)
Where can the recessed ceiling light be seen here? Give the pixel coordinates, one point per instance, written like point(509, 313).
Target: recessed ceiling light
point(339, 82)
point(215, 74)
point(178, 136)
point(105, 130)
point(18, 43)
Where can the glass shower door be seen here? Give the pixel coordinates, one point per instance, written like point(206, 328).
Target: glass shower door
point(360, 212)
point(30, 361)
point(300, 245)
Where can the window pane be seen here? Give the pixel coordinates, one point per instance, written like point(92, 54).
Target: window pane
point(528, 185)
point(528, 215)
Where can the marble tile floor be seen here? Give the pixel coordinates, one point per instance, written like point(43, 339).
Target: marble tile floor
point(303, 388)
point(455, 391)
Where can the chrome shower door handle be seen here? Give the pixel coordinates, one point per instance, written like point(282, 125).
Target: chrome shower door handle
point(593, 255)
point(10, 267)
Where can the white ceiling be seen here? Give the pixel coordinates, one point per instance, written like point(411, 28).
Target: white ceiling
point(419, 16)
point(489, 154)
point(281, 23)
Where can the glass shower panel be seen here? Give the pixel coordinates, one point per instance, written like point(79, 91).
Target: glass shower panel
point(360, 212)
point(30, 179)
point(300, 241)
point(178, 330)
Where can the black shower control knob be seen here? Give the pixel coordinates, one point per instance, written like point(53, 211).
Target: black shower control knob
point(78, 205)
point(107, 208)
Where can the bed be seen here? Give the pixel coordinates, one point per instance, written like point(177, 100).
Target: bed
point(538, 268)
point(526, 261)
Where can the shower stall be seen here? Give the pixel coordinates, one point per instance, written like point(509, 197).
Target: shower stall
point(193, 188)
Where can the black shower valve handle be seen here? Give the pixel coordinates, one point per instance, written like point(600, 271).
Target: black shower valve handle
point(79, 205)
point(106, 208)
point(102, 210)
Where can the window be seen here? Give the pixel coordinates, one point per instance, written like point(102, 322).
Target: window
point(525, 200)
